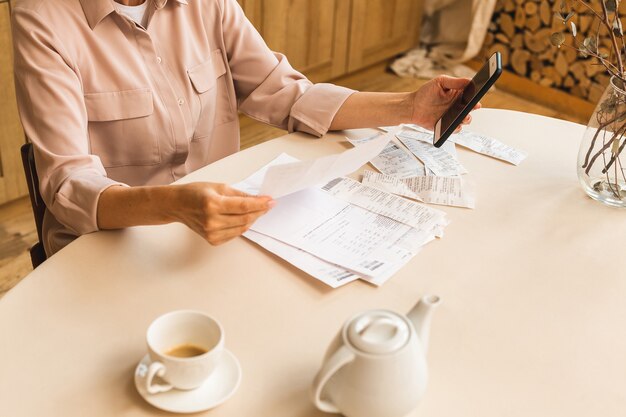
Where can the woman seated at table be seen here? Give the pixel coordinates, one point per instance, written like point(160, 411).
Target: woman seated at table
point(122, 98)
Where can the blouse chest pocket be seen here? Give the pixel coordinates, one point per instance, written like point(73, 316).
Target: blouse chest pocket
point(121, 127)
point(210, 85)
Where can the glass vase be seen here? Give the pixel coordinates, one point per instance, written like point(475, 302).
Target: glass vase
point(602, 159)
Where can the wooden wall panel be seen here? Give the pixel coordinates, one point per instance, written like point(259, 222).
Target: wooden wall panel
point(313, 34)
point(12, 182)
point(381, 29)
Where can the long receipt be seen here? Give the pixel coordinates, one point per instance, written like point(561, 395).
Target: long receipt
point(439, 161)
point(393, 160)
point(386, 204)
point(490, 147)
point(447, 191)
point(476, 142)
point(284, 179)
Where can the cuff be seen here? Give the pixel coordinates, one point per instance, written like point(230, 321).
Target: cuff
point(315, 110)
point(76, 202)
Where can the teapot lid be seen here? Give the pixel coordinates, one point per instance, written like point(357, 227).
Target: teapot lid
point(378, 332)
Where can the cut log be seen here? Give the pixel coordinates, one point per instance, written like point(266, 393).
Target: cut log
point(519, 61)
point(506, 25)
point(578, 70)
point(551, 73)
point(539, 41)
point(585, 23)
point(531, 8)
point(518, 41)
point(502, 38)
point(520, 18)
point(569, 82)
point(571, 55)
point(545, 13)
point(533, 22)
point(521, 30)
point(535, 76)
point(536, 63)
point(561, 65)
point(503, 49)
point(595, 92)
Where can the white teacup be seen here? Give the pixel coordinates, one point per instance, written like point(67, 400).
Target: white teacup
point(184, 347)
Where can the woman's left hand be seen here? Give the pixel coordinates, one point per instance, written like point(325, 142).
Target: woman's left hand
point(433, 99)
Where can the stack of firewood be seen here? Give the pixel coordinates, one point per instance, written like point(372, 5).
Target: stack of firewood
point(521, 29)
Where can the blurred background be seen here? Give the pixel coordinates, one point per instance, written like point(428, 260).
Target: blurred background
point(368, 45)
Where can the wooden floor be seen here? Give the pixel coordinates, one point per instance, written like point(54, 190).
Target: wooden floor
point(17, 228)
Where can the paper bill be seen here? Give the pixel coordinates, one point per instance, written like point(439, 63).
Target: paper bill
point(332, 235)
point(284, 179)
point(393, 160)
point(386, 204)
point(447, 191)
point(331, 275)
point(439, 161)
point(489, 146)
point(476, 142)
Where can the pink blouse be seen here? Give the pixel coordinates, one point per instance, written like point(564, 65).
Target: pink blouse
point(107, 102)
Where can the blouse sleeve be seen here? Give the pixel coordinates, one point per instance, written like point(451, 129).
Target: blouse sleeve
point(52, 111)
point(268, 89)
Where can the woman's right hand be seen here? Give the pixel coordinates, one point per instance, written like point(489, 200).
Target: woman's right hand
point(218, 212)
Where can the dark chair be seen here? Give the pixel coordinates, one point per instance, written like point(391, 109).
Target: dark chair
point(37, 252)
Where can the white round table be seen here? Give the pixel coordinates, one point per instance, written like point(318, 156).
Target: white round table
point(532, 322)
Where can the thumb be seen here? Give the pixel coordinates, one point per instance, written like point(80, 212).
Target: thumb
point(452, 83)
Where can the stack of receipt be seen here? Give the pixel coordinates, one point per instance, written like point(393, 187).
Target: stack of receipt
point(339, 230)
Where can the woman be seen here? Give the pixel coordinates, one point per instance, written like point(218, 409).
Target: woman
point(122, 98)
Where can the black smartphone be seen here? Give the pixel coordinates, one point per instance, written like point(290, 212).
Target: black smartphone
point(463, 105)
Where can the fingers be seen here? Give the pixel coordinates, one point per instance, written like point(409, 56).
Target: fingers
point(221, 228)
point(224, 235)
point(243, 205)
point(452, 83)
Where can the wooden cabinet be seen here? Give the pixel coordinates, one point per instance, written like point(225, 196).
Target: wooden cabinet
point(313, 34)
point(12, 182)
point(381, 29)
point(328, 38)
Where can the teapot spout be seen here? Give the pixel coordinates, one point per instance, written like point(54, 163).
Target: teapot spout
point(421, 316)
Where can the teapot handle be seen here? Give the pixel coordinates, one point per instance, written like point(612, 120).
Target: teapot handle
point(341, 357)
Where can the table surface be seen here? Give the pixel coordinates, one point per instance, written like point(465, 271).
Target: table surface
point(533, 285)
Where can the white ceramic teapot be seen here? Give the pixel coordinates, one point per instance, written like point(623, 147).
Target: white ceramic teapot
point(376, 366)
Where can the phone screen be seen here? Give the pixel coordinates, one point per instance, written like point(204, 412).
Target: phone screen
point(477, 84)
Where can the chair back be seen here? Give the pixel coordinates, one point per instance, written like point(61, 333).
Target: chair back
point(37, 252)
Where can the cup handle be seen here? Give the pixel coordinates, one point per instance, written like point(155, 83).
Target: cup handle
point(340, 358)
point(156, 369)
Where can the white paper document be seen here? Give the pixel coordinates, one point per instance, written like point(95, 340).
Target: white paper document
point(333, 240)
point(489, 146)
point(393, 160)
point(439, 161)
point(425, 136)
point(447, 191)
point(476, 142)
point(283, 179)
point(386, 204)
point(329, 274)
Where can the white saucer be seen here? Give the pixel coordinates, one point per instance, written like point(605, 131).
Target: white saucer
point(219, 387)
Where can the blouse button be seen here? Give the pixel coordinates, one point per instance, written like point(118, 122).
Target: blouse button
point(159, 60)
point(181, 101)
